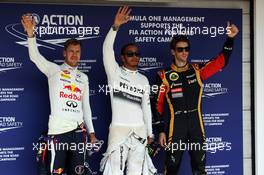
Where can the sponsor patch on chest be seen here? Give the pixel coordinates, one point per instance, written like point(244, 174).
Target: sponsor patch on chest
point(190, 76)
point(177, 95)
point(66, 76)
point(176, 90)
point(174, 76)
point(192, 81)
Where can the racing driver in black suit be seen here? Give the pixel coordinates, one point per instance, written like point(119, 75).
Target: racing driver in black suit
point(180, 86)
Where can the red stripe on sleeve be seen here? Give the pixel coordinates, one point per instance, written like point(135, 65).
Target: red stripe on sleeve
point(212, 67)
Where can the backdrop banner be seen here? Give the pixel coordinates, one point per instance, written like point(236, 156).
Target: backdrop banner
point(24, 97)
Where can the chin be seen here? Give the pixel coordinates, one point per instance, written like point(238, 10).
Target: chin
point(184, 59)
point(135, 65)
point(73, 64)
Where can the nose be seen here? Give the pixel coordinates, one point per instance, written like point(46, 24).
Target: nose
point(185, 52)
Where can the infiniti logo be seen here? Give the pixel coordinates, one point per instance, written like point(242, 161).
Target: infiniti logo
point(79, 169)
point(72, 104)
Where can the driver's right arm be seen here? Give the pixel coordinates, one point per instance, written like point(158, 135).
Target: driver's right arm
point(45, 66)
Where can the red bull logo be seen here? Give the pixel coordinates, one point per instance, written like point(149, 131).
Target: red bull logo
point(68, 87)
point(77, 90)
point(70, 96)
point(58, 171)
point(73, 88)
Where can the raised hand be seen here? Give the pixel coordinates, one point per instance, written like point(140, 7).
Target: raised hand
point(233, 30)
point(29, 24)
point(122, 16)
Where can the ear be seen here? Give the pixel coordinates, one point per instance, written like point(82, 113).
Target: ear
point(123, 59)
point(173, 52)
point(64, 53)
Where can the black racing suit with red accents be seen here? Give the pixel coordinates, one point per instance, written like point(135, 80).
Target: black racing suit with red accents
point(181, 89)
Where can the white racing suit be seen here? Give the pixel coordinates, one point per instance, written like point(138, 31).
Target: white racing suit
point(70, 108)
point(127, 144)
point(131, 118)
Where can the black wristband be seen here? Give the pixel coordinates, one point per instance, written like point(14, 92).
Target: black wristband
point(115, 27)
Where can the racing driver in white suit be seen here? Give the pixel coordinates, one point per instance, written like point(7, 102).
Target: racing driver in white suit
point(131, 126)
point(69, 103)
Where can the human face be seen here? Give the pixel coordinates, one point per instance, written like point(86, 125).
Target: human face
point(181, 53)
point(131, 57)
point(72, 55)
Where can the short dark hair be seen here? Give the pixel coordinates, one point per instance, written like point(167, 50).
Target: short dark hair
point(178, 38)
point(71, 41)
point(123, 49)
